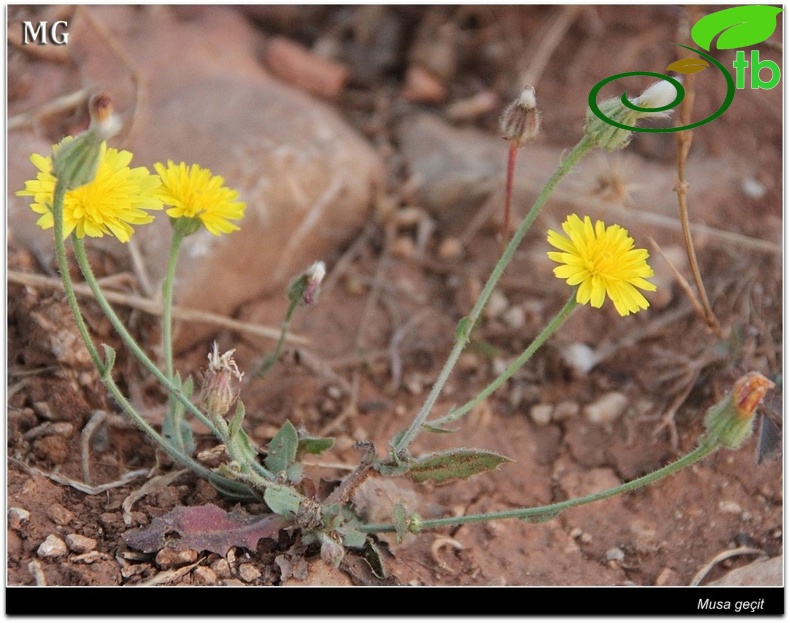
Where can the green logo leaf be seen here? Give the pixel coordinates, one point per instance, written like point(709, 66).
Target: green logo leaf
point(738, 27)
point(688, 65)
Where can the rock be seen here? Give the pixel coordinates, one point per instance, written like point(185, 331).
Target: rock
point(52, 547)
point(60, 514)
point(204, 576)
point(167, 558)
point(249, 572)
point(308, 179)
point(422, 86)
point(607, 409)
point(615, 554)
point(541, 414)
point(299, 66)
point(17, 516)
point(457, 170)
point(758, 573)
point(80, 544)
point(579, 357)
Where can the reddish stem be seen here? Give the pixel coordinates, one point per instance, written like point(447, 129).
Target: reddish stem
point(511, 168)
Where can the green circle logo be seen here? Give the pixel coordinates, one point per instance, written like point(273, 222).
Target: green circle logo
point(593, 103)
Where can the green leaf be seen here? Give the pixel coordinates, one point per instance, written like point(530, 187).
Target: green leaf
point(353, 538)
point(400, 519)
point(375, 559)
point(282, 501)
point(463, 329)
point(313, 445)
point(453, 465)
point(738, 27)
point(282, 449)
point(438, 429)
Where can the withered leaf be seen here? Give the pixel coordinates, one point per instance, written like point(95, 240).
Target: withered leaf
point(206, 527)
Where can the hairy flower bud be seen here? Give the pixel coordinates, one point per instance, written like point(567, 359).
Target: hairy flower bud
point(220, 384)
point(609, 137)
point(730, 421)
point(520, 121)
point(75, 160)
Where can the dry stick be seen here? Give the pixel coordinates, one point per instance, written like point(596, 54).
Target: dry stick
point(140, 91)
point(69, 102)
point(549, 43)
point(155, 309)
point(684, 139)
point(684, 284)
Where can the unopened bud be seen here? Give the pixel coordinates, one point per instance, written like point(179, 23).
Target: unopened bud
point(730, 421)
point(220, 384)
point(305, 286)
point(609, 137)
point(104, 122)
point(75, 160)
point(520, 121)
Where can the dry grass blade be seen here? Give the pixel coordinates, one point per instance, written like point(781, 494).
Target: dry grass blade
point(738, 551)
point(155, 309)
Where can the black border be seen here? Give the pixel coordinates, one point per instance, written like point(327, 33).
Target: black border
point(427, 601)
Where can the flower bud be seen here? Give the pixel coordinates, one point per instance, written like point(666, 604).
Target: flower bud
point(730, 421)
point(520, 121)
point(305, 286)
point(611, 138)
point(220, 384)
point(104, 122)
point(75, 160)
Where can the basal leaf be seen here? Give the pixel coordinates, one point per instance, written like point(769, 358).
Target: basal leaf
point(453, 465)
point(206, 527)
point(282, 501)
point(282, 449)
point(737, 27)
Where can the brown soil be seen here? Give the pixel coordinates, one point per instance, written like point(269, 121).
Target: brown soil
point(389, 294)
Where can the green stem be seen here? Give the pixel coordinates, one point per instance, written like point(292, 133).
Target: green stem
point(542, 513)
point(105, 370)
point(172, 424)
point(272, 358)
point(90, 279)
point(60, 254)
point(556, 322)
point(465, 329)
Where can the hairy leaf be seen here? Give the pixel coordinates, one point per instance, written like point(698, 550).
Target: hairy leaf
point(453, 465)
point(313, 445)
point(739, 27)
point(206, 527)
point(282, 501)
point(282, 449)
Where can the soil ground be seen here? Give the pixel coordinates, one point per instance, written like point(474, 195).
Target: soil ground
point(382, 330)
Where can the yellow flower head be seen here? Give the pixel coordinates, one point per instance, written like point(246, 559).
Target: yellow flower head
point(110, 204)
point(196, 194)
point(602, 261)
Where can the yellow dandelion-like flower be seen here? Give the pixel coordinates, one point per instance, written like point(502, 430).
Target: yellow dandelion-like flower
point(603, 262)
point(110, 204)
point(197, 194)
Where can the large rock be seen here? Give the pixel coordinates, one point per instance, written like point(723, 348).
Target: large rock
point(308, 179)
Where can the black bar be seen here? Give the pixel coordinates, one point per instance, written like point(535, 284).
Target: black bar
point(393, 601)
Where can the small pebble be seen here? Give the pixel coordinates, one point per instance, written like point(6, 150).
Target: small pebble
point(728, 506)
point(515, 318)
point(52, 547)
point(450, 249)
point(607, 409)
point(80, 544)
point(204, 576)
point(541, 414)
point(615, 554)
point(566, 410)
point(576, 533)
point(667, 577)
point(249, 572)
point(60, 514)
point(17, 516)
point(167, 558)
point(753, 188)
point(579, 357)
point(221, 568)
